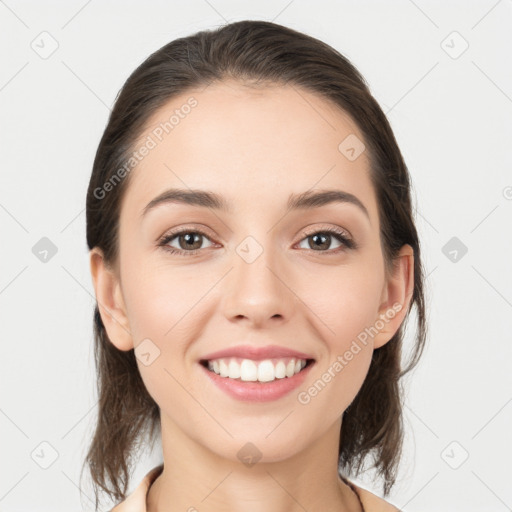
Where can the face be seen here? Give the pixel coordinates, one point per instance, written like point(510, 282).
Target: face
point(256, 273)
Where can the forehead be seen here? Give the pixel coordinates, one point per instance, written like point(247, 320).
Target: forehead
point(250, 143)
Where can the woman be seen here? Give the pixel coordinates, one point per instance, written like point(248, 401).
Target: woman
point(254, 259)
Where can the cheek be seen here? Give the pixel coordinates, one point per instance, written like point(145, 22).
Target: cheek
point(157, 300)
point(164, 309)
point(345, 306)
point(345, 309)
point(346, 302)
point(162, 318)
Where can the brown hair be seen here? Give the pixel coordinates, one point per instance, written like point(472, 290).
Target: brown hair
point(253, 52)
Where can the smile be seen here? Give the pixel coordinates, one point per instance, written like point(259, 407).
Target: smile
point(257, 381)
point(249, 370)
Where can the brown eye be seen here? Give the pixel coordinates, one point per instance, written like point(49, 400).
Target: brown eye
point(189, 242)
point(320, 241)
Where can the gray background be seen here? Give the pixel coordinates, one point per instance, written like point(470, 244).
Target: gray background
point(451, 110)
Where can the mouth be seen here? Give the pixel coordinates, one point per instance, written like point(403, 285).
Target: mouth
point(250, 370)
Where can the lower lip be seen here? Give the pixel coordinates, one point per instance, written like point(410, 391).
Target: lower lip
point(251, 391)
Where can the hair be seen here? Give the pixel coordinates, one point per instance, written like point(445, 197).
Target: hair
point(256, 53)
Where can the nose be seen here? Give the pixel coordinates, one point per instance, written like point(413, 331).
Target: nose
point(258, 292)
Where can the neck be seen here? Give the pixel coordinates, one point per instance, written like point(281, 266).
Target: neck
point(196, 479)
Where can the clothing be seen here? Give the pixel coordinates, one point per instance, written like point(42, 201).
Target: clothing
point(136, 501)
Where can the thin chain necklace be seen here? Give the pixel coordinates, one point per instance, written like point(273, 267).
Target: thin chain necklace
point(354, 490)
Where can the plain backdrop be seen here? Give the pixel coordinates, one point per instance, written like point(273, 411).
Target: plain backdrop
point(442, 72)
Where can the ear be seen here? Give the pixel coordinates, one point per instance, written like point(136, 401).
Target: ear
point(110, 301)
point(396, 296)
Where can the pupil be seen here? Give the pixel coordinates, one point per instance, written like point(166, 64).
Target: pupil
point(318, 237)
point(190, 238)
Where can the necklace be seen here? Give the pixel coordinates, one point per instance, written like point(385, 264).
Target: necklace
point(354, 490)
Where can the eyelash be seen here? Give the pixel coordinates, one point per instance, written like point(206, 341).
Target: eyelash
point(337, 233)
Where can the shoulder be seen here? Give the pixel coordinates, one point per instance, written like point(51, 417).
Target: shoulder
point(373, 503)
point(136, 500)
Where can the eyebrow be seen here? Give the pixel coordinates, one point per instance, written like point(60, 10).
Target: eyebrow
point(206, 199)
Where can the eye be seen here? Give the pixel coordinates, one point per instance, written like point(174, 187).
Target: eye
point(189, 241)
point(322, 239)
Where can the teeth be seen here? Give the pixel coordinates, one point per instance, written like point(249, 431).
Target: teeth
point(223, 367)
point(262, 371)
point(234, 370)
point(248, 370)
point(290, 368)
point(266, 371)
point(280, 370)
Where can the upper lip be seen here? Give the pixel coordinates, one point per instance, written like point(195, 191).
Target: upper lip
point(256, 353)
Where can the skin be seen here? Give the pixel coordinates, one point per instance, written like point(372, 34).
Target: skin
point(255, 147)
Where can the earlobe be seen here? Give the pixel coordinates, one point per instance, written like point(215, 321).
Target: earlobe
point(397, 295)
point(110, 301)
